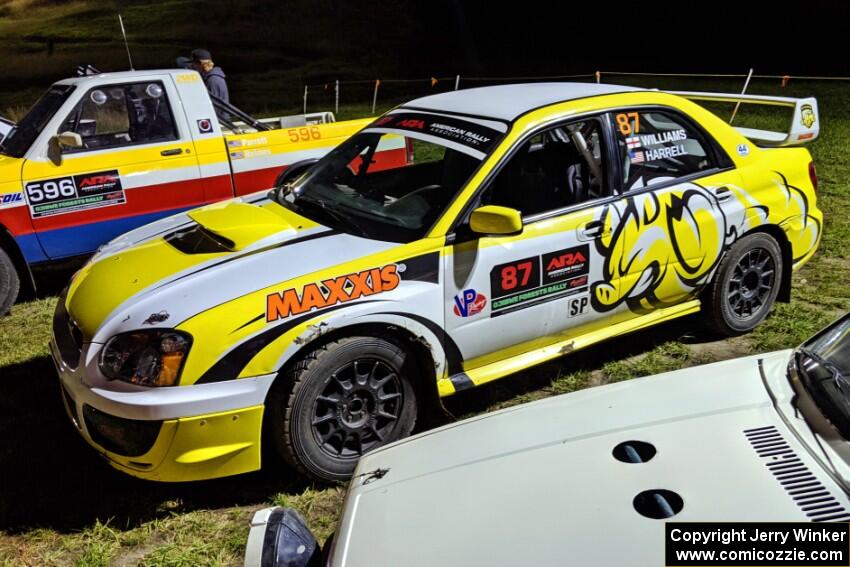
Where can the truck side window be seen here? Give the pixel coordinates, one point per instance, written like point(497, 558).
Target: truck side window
point(556, 168)
point(658, 146)
point(122, 115)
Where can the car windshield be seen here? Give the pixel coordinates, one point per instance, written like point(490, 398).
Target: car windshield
point(823, 364)
point(394, 179)
point(27, 130)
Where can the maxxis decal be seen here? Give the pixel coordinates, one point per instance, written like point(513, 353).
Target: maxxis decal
point(342, 289)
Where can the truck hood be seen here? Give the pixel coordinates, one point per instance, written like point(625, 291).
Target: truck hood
point(539, 484)
point(188, 263)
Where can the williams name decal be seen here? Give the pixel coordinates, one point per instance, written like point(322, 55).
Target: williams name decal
point(77, 193)
point(346, 288)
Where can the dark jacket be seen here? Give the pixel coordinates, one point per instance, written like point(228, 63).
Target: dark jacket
point(216, 85)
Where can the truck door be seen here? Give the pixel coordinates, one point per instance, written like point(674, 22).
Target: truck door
point(137, 163)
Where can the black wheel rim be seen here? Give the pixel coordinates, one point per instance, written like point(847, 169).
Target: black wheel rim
point(751, 283)
point(358, 409)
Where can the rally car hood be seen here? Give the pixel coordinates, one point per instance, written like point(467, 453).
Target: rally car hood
point(539, 484)
point(243, 247)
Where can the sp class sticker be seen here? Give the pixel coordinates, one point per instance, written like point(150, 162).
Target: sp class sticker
point(76, 193)
point(469, 303)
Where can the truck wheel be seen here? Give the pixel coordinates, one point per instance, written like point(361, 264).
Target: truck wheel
point(745, 285)
point(339, 401)
point(10, 284)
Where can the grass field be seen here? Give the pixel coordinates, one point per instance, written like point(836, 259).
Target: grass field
point(61, 505)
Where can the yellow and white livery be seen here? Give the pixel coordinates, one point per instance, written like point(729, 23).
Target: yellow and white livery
point(532, 220)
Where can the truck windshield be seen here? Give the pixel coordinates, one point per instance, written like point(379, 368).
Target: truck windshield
point(394, 179)
point(823, 364)
point(27, 130)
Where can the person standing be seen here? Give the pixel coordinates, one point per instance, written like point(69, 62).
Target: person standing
point(213, 76)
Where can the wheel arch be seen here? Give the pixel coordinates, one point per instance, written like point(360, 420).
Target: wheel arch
point(10, 246)
point(427, 361)
point(787, 257)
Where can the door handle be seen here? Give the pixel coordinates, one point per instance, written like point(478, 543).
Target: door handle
point(171, 152)
point(591, 230)
point(722, 194)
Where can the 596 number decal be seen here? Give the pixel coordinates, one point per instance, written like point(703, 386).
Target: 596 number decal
point(50, 190)
point(304, 134)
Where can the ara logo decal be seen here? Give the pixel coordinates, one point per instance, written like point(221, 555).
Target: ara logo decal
point(205, 125)
point(469, 303)
point(98, 181)
point(566, 264)
point(412, 124)
point(10, 199)
point(281, 305)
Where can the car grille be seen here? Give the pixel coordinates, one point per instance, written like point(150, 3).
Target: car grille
point(127, 437)
point(66, 333)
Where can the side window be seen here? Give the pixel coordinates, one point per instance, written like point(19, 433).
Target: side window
point(557, 168)
point(122, 115)
point(658, 146)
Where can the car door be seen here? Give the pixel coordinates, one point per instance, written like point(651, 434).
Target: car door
point(506, 295)
point(681, 205)
point(137, 163)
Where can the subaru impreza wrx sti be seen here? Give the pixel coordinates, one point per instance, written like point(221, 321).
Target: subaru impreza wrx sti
point(530, 221)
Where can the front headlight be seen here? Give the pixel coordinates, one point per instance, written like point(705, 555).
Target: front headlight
point(147, 358)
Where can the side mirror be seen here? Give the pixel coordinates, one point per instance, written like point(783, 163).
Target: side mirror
point(495, 220)
point(280, 538)
point(69, 140)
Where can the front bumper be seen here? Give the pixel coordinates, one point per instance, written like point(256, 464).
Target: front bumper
point(173, 434)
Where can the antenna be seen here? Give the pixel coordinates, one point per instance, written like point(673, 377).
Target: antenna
point(126, 45)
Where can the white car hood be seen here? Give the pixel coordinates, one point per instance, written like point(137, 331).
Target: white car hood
point(538, 485)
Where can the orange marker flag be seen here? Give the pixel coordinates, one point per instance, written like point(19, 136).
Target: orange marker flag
point(785, 80)
point(433, 81)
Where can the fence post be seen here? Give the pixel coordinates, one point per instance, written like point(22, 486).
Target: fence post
point(305, 98)
point(336, 97)
point(375, 95)
point(457, 82)
point(743, 91)
point(599, 76)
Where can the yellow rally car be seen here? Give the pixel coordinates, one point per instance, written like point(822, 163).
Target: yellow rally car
point(533, 220)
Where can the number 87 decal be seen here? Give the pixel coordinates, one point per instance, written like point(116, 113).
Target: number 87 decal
point(624, 123)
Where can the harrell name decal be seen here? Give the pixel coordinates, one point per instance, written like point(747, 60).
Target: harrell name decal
point(330, 292)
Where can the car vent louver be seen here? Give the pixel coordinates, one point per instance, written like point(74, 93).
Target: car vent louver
point(198, 240)
point(807, 492)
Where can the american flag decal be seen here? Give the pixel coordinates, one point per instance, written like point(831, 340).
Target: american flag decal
point(636, 157)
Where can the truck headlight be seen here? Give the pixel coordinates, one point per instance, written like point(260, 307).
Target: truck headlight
point(147, 358)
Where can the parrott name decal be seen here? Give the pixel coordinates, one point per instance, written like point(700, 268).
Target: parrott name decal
point(342, 289)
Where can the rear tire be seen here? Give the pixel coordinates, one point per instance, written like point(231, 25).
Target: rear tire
point(339, 401)
point(745, 286)
point(10, 283)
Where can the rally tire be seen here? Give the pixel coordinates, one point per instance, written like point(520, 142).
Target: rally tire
point(745, 285)
point(328, 408)
point(10, 283)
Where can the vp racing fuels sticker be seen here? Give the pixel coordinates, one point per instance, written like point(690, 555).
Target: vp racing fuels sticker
point(470, 134)
point(329, 292)
point(469, 303)
point(70, 194)
point(523, 283)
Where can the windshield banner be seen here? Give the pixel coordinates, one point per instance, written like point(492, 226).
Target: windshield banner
point(469, 134)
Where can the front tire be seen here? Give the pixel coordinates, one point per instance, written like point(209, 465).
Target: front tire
point(10, 284)
point(745, 286)
point(339, 401)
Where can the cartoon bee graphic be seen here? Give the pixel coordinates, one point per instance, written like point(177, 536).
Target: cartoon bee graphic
point(807, 115)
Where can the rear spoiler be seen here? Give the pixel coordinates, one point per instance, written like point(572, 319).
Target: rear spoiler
point(804, 127)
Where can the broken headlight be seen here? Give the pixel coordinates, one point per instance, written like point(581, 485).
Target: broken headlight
point(147, 358)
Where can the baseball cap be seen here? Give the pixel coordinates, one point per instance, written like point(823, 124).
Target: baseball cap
point(201, 55)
